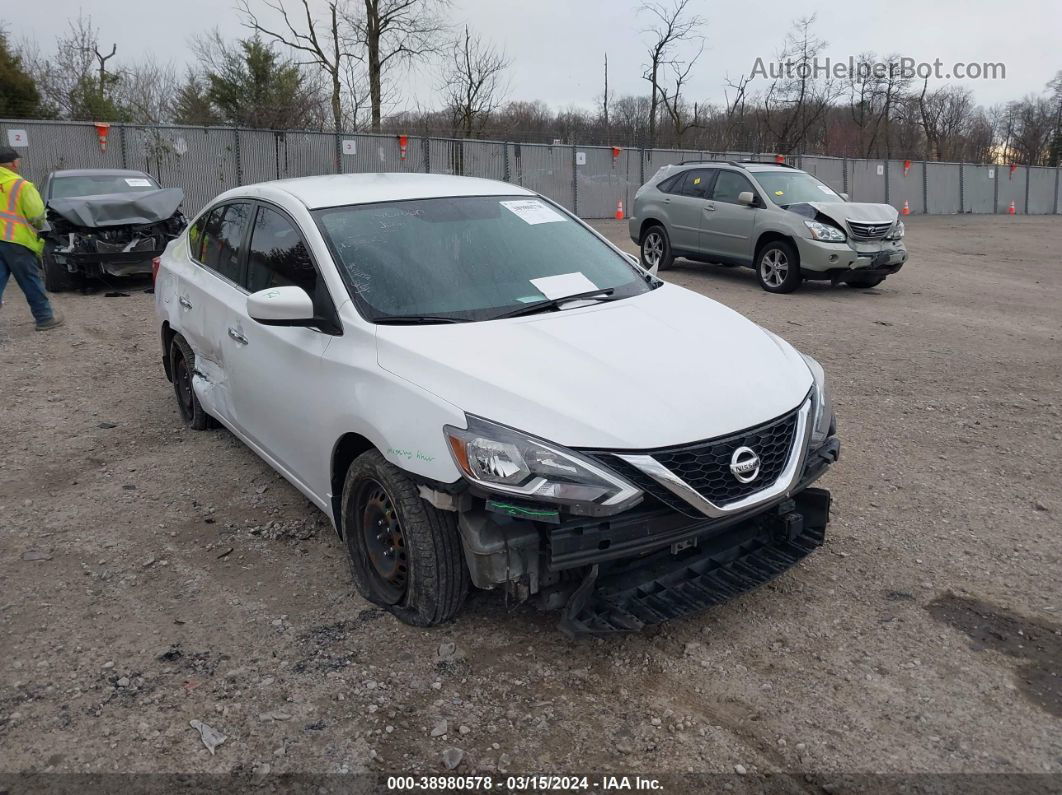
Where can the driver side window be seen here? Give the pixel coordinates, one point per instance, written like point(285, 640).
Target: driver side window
point(729, 185)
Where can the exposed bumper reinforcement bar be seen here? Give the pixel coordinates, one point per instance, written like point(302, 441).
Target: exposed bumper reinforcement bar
point(664, 586)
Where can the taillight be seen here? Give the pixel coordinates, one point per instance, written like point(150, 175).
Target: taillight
point(155, 263)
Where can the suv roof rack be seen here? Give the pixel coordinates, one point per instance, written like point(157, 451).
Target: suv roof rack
point(737, 163)
point(762, 163)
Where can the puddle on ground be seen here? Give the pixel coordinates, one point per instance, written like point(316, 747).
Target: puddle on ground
point(1038, 644)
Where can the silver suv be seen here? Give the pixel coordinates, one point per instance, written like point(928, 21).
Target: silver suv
point(779, 220)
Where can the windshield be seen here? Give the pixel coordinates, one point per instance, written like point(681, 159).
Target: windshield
point(468, 258)
point(794, 187)
point(99, 184)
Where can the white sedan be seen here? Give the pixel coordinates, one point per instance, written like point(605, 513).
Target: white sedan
point(479, 389)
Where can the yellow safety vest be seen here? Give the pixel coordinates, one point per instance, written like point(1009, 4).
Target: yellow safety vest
point(21, 210)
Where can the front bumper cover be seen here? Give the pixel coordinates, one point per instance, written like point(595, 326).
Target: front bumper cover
point(635, 594)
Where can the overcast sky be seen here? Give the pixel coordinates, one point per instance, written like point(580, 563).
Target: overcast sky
point(556, 46)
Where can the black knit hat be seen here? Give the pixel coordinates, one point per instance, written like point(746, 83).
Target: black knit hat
point(8, 155)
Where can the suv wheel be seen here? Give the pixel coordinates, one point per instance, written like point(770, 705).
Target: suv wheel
point(405, 555)
point(182, 367)
point(778, 267)
point(656, 249)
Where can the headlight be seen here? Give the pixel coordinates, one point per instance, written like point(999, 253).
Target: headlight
point(825, 232)
point(897, 232)
point(822, 411)
point(501, 459)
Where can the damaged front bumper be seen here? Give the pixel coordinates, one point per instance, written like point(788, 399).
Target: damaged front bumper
point(92, 255)
point(839, 261)
point(649, 564)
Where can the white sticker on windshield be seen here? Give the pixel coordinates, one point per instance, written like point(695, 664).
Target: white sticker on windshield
point(533, 211)
point(563, 285)
point(138, 182)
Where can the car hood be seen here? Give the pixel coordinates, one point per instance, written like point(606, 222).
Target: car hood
point(119, 209)
point(859, 212)
point(663, 368)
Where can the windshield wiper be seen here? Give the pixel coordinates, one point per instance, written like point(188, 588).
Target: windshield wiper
point(412, 320)
point(540, 306)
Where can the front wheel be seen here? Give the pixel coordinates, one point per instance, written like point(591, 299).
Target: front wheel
point(778, 267)
point(656, 249)
point(405, 555)
point(56, 277)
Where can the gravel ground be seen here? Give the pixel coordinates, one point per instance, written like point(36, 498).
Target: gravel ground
point(153, 576)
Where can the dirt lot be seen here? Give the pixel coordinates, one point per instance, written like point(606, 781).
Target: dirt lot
point(152, 576)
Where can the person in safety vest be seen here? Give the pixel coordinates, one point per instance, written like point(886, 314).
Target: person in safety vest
point(21, 215)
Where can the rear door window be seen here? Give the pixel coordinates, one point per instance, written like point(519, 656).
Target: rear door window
point(698, 181)
point(222, 237)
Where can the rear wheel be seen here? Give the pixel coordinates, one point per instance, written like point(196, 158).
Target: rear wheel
point(405, 555)
point(778, 267)
point(182, 367)
point(656, 249)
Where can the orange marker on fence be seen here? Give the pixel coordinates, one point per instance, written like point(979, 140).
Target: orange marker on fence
point(619, 210)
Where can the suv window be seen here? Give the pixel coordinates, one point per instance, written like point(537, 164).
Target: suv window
point(222, 237)
point(728, 185)
point(671, 184)
point(277, 256)
point(697, 182)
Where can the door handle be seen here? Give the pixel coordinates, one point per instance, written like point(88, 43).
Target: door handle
point(236, 335)
point(709, 208)
point(184, 302)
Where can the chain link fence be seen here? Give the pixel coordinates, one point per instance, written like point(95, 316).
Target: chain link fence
point(592, 181)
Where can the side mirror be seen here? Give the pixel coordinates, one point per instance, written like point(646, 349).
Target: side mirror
point(747, 198)
point(843, 196)
point(282, 306)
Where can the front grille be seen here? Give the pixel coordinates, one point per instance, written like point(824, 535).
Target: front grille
point(869, 231)
point(705, 466)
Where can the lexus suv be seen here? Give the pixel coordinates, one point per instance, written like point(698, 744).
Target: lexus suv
point(779, 220)
point(457, 372)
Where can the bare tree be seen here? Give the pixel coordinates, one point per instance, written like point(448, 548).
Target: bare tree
point(149, 90)
point(474, 83)
point(797, 102)
point(681, 120)
point(326, 42)
point(670, 26)
point(395, 33)
point(605, 97)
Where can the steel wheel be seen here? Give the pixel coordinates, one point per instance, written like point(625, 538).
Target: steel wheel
point(774, 267)
point(653, 249)
point(385, 543)
point(182, 383)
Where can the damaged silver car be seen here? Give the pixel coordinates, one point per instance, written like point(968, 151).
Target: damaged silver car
point(783, 222)
point(105, 222)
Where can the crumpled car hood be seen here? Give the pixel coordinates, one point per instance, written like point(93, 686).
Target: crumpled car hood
point(856, 211)
point(663, 368)
point(119, 209)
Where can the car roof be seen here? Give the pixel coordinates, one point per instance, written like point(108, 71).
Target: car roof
point(94, 172)
point(334, 190)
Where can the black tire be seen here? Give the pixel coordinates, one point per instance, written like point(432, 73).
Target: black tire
point(424, 581)
point(655, 249)
point(866, 282)
point(57, 278)
point(778, 267)
point(182, 366)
